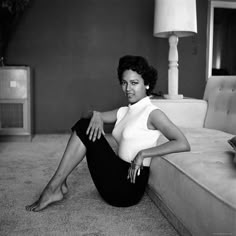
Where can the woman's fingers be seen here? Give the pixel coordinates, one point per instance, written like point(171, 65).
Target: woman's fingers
point(95, 128)
point(99, 133)
point(95, 134)
point(128, 176)
point(134, 176)
point(88, 129)
point(132, 173)
point(138, 172)
point(91, 131)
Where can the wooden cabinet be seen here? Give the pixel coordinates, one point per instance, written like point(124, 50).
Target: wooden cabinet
point(15, 103)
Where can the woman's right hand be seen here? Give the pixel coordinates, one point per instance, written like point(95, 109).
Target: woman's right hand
point(95, 128)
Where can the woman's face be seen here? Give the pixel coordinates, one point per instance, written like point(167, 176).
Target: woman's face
point(133, 86)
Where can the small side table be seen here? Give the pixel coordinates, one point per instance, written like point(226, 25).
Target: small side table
point(186, 112)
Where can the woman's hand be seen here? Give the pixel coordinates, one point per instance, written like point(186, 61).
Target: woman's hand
point(95, 128)
point(135, 167)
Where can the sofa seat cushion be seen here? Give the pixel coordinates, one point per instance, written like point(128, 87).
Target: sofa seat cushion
point(199, 186)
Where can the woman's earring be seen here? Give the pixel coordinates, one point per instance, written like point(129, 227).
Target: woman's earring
point(147, 87)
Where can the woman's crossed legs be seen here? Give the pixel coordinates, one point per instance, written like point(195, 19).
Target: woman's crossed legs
point(57, 187)
point(108, 171)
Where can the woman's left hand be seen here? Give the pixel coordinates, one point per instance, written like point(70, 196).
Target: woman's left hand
point(135, 167)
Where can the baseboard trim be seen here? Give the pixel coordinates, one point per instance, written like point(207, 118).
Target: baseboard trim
point(168, 214)
point(15, 138)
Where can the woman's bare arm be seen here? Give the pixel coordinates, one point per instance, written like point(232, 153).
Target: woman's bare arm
point(109, 116)
point(177, 141)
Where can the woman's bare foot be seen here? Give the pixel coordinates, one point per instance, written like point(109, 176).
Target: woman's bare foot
point(47, 197)
point(64, 187)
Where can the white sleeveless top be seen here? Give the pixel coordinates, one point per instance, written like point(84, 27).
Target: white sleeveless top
point(131, 131)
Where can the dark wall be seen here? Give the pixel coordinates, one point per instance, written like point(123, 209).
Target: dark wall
point(73, 49)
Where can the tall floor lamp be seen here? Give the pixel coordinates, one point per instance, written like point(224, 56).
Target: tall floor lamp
point(174, 19)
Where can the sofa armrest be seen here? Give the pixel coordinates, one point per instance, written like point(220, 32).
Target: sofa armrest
point(189, 113)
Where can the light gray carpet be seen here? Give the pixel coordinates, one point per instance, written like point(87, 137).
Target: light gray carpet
point(25, 168)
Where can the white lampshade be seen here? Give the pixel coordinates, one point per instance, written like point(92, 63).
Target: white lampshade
point(175, 16)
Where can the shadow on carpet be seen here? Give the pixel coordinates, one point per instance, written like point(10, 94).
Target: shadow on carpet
point(25, 169)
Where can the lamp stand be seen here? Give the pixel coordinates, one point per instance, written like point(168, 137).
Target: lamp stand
point(173, 71)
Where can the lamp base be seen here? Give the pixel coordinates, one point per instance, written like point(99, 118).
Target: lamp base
point(173, 96)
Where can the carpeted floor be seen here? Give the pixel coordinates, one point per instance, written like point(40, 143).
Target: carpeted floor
point(25, 169)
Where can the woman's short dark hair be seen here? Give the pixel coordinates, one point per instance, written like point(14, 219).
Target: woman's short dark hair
point(140, 65)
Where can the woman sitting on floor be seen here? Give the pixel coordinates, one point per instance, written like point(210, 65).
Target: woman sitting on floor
point(120, 179)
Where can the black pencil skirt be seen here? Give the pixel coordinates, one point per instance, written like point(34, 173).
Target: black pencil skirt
point(109, 172)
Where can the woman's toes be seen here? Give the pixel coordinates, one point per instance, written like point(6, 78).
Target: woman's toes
point(37, 208)
point(64, 188)
point(45, 200)
point(32, 206)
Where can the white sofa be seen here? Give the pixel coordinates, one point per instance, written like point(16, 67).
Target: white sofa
point(196, 190)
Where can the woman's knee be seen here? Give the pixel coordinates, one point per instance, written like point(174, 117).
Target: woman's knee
point(81, 125)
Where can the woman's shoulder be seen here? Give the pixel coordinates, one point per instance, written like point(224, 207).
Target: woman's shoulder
point(158, 118)
point(151, 107)
point(121, 112)
point(123, 109)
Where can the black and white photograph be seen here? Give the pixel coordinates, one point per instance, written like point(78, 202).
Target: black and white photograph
point(118, 118)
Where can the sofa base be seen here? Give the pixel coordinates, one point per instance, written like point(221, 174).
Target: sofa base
point(166, 211)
